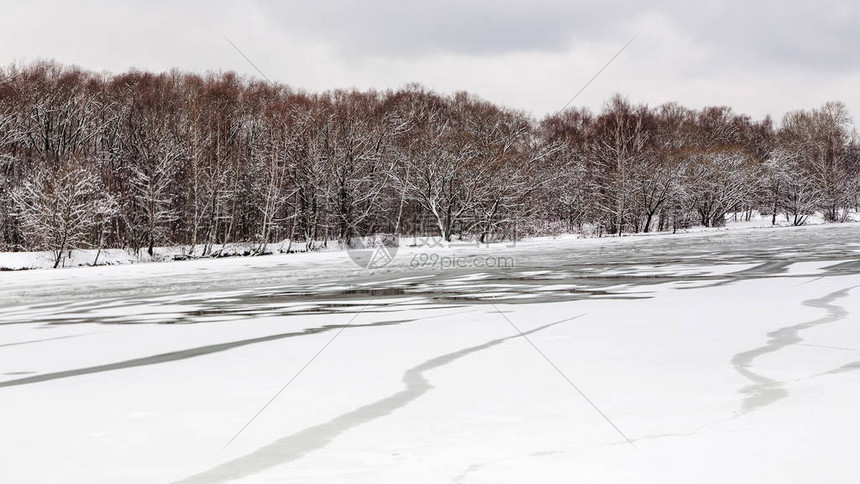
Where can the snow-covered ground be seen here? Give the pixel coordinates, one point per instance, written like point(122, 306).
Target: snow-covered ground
point(15, 261)
point(92, 257)
point(719, 356)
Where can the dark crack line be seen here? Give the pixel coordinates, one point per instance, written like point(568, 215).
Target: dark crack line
point(182, 354)
point(765, 390)
point(196, 352)
point(297, 445)
point(301, 370)
point(31, 341)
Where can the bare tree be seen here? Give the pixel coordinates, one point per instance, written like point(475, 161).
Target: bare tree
point(59, 210)
point(823, 138)
point(721, 181)
point(620, 143)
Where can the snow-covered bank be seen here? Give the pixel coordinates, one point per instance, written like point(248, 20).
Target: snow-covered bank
point(15, 261)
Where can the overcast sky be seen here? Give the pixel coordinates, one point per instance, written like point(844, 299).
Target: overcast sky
point(758, 57)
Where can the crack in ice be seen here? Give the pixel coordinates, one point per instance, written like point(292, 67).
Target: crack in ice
point(297, 445)
point(765, 390)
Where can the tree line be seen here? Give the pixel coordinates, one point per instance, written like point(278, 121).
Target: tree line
point(140, 159)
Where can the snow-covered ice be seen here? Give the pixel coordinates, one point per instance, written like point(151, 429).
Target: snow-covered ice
point(724, 356)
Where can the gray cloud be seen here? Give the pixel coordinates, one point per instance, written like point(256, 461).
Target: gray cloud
point(392, 28)
point(794, 33)
point(756, 56)
point(798, 33)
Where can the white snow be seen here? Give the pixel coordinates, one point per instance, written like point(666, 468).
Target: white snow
point(725, 356)
point(89, 257)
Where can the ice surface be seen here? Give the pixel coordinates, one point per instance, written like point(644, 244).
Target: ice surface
point(724, 356)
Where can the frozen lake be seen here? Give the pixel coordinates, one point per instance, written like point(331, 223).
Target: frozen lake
point(722, 356)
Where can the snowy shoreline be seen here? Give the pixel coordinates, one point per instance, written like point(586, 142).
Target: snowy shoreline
point(24, 261)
